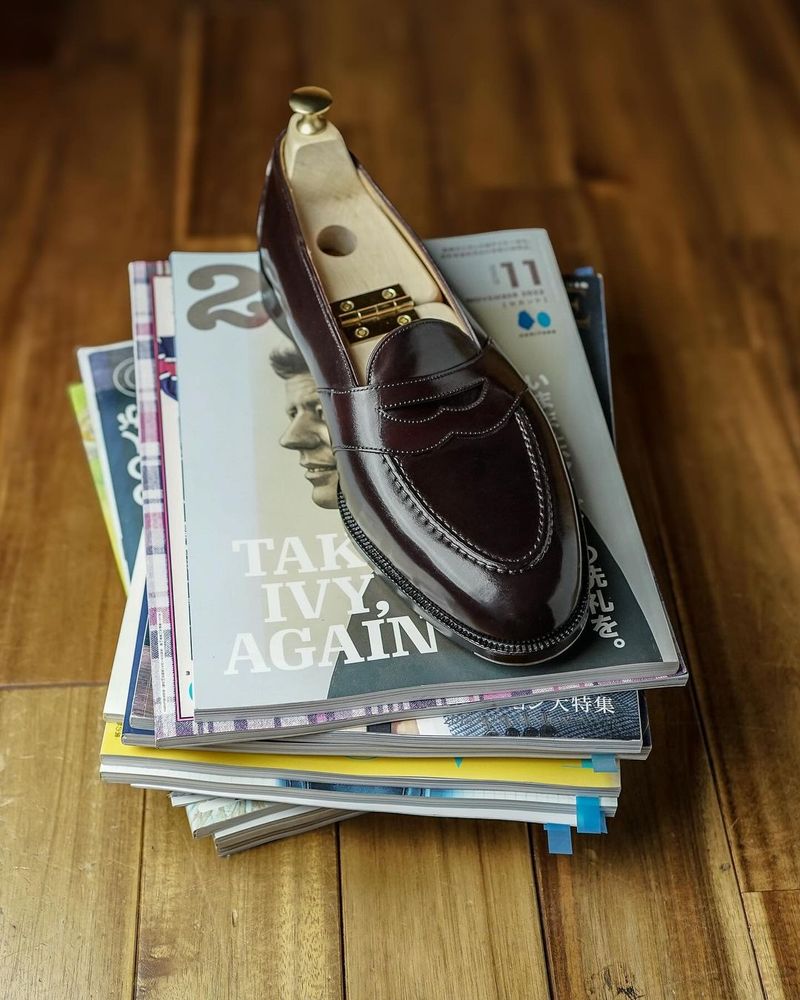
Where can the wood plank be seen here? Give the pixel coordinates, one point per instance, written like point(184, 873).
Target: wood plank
point(240, 65)
point(31, 34)
point(628, 909)
point(738, 571)
point(686, 847)
point(775, 927)
point(439, 908)
point(701, 274)
point(740, 582)
point(369, 56)
point(82, 199)
point(737, 77)
point(497, 134)
point(749, 444)
point(653, 909)
point(273, 914)
point(69, 851)
point(622, 915)
point(263, 923)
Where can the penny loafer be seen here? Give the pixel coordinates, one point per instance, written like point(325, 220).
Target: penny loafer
point(451, 482)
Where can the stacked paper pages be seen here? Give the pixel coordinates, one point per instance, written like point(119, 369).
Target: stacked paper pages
point(264, 676)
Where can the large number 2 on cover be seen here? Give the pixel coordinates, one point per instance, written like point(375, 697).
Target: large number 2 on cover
point(207, 312)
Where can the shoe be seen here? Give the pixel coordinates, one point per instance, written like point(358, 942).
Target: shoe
point(451, 481)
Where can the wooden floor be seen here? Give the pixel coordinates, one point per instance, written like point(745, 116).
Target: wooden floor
point(658, 141)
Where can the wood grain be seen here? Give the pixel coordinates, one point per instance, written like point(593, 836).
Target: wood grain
point(264, 923)
point(775, 925)
point(741, 401)
point(653, 909)
point(439, 908)
point(240, 66)
point(734, 634)
point(657, 141)
point(230, 115)
point(704, 333)
point(69, 852)
point(83, 198)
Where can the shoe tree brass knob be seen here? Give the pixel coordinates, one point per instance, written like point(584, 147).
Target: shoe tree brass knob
point(312, 104)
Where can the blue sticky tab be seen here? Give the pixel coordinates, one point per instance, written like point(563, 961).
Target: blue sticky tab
point(590, 815)
point(584, 272)
point(604, 762)
point(559, 838)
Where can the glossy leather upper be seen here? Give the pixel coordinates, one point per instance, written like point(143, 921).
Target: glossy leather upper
point(447, 465)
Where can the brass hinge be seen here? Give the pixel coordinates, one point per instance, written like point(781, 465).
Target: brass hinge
point(374, 313)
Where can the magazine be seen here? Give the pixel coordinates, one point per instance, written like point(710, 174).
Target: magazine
point(257, 830)
point(216, 816)
point(587, 298)
point(578, 725)
point(78, 397)
point(191, 730)
point(501, 788)
point(108, 377)
point(511, 773)
point(284, 611)
point(574, 725)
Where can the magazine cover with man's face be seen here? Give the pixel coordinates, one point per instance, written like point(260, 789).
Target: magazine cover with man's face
point(283, 608)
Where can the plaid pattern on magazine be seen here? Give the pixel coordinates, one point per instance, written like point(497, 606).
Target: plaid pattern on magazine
point(159, 616)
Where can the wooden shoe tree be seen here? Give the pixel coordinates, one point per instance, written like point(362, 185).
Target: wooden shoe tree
point(373, 276)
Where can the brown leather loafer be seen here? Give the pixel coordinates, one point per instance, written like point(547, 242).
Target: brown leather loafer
point(451, 482)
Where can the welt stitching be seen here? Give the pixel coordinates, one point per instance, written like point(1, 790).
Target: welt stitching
point(435, 395)
point(405, 586)
point(432, 529)
point(476, 435)
point(538, 549)
point(422, 515)
point(439, 409)
point(545, 495)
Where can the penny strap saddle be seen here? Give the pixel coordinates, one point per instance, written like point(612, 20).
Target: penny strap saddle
point(443, 385)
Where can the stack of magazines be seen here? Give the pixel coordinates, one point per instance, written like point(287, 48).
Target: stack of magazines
point(264, 676)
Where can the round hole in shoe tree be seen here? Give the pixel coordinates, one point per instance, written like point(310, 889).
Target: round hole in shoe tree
point(336, 241)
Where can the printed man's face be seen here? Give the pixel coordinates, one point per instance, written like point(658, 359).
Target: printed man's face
point(308, 434)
